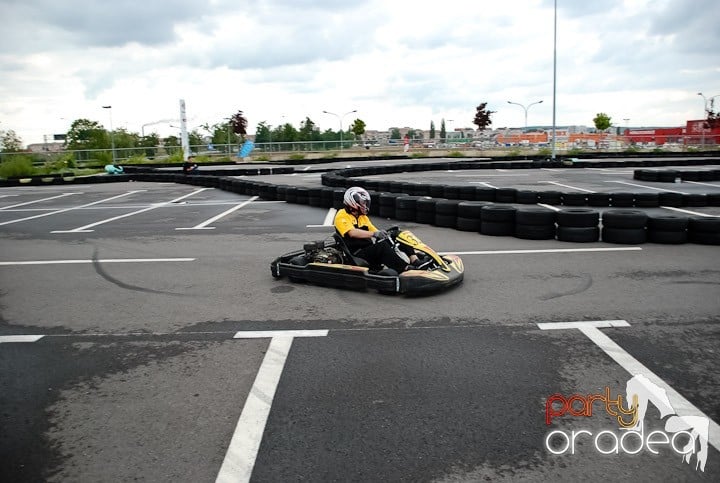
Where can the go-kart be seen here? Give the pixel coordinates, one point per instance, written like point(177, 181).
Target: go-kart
point(329, 262)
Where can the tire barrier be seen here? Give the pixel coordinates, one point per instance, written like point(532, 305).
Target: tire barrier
point(497, 220)
point(535, 224)
point(624, 227)
point(471, 208)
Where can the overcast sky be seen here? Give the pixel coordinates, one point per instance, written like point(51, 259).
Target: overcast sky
point(399, 63)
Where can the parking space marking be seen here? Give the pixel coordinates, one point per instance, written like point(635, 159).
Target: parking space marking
point(241, 454)
point(591, 329)
point(547, 250)
point(70, 209)
point(84, 229)
point(19, 338)
point(38, 201)
point(688, 212)
point(102, 260)
point(568, 186)
point(329, 218)
point(204, 225)
point(643, 186)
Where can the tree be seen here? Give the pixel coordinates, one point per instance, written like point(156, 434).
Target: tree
point(262, 133)
point(10, 142)
point(602, 121)
point(443, 132)
point(358, 127)
point(713, 118)
point(395, 133)
point(482, 116)
point(239, 124)
point(432, 129)
point(86, 134)
point(308, 131)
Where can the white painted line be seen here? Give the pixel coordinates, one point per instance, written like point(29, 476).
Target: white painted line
point(581, 324)
point(241, 454)
point(553, 169)
point(306, 168)
point(484, 184)
point(329, 218)
point(69, 209)
point(20, 338)
point(84, 229)
point(480, 175)
point(38, 201)
point(265, 334)
point(550, 250)
point(568, 186)
point(5, 196)
point(704, 184)
point(204, 225)
point(682, 406)
point(647, 187)
point(551, 207)
point(102, 260)
point(688, 211)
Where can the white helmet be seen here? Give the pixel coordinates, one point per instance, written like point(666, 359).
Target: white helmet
point(357, 199)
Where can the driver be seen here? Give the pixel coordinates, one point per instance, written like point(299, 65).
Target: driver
point(362, 238)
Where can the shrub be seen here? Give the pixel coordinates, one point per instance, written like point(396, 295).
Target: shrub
point(575, 151)
point(544, 151)
point(455, 154)
point(418, 155)
point(17, 166)
point(297, 157)
point(262, 157)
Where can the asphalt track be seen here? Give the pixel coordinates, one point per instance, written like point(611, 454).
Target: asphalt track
point(145, 298)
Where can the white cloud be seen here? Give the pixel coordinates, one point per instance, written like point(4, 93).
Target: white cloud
point(398, 63)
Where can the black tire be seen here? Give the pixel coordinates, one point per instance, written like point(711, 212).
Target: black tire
point(535, 232)
point(574, 199)
point(387, 211)
point(670, 199)
point(527, 197)
point(405, 214)
point(406, 202)
point(625, 236)
point(426, 217)
point(667, 223)
point(598, 199)
point(704, 225)
point(497, 228)
point(447, 207)
point(471, 209)
point(426, 205)
point(694, 199)
point(468, 224)
point(445, 221)
point(667, 237)
point(506, 195)
point(624, 219)
point(535, 216)
point(578, 234)
point(667, 176)
point(498, 213)
point(578, 218)
point(550, 197)
point(647, 200)
point(485, 194)
point(622, 199)
point(703, 238)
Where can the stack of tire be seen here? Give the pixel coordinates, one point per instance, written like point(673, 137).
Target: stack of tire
point(469, 215)
point(668, 229)
point(446, 213)
point(578, 225)
point(425, 210)
point(406, 208)
point(497, 220)
point(535, 224)
point(624, 227)
point(705, 231)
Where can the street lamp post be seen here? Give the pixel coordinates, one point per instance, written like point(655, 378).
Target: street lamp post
point(554, 129)
point(112, 134)
point(340, 118)
point(525, 108)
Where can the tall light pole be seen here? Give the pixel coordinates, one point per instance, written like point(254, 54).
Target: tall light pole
point(554, 79)
point(525, 108)
point(340, 118)
point(112, 134)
